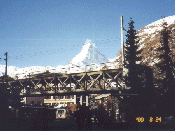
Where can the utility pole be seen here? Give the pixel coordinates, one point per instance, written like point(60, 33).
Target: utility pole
point(122, 40)
point(6, 63)
point(122, 47)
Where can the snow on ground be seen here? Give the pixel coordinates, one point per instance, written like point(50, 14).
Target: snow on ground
point(156, 26)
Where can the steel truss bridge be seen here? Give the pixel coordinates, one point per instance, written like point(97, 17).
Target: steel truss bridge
point(62, 84)
point(58, 84)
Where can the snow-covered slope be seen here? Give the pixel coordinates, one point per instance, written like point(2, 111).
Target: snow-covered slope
point(20, 73)
point(155, 27)
point(115, 63)
point(149, 40)
point(10, 70)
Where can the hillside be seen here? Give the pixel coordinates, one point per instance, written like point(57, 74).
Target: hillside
point(149, 40)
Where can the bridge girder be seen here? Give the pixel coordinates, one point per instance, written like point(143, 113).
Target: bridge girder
point(57, 83)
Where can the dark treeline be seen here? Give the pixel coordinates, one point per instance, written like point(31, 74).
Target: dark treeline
point(152, 101)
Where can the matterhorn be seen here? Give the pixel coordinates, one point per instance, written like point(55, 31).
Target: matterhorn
point(89, 55)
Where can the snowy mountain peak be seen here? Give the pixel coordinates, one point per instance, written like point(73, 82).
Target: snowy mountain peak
point(89, 55)
point(89, 42)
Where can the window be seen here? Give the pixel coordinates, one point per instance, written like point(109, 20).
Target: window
point(67, 97)
point(47, 97)
point(61, 97)
point(55, 97)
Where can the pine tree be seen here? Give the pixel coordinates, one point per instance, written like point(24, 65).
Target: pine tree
point(165, 64)
point(132, 79)
point(131, 57)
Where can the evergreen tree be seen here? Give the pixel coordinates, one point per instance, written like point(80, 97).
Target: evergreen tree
point(131, 57)
point(132, 77)
point(165, 64)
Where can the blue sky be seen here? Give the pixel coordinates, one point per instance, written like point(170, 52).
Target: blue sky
point(52, 32)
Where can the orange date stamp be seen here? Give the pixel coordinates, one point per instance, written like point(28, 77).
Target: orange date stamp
point(151, 119)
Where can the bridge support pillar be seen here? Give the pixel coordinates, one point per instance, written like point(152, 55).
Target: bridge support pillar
point(82, 100)
point(87, 100)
